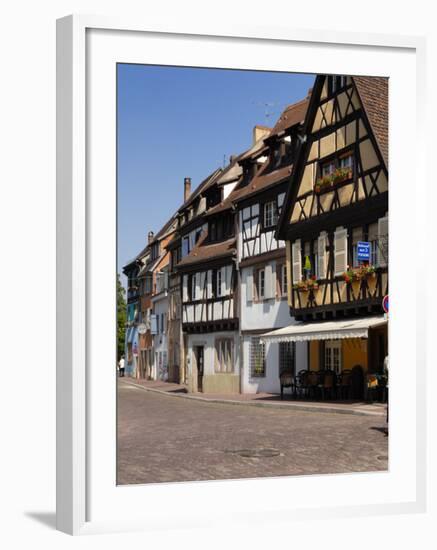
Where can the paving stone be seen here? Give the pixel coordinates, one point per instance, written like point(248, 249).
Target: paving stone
point(163, 439)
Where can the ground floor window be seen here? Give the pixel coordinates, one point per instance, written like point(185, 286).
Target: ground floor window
point(333, 355)
point(224, 351)
point(257, 357)
point(287, 356)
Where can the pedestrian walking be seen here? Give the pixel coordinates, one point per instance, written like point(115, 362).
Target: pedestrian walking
point(121, 366)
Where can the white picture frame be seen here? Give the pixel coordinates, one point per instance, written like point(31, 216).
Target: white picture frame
point(86, 500)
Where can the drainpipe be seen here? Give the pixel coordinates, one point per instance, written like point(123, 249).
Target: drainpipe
point(237, 269)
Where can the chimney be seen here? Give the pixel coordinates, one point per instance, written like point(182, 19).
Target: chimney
point(187, 188)
point(259, 132)
point(150, 236)
point(310, 91)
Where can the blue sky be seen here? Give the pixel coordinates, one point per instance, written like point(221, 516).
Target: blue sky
point(176, 122)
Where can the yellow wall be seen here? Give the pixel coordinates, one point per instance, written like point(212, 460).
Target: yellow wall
point(314, 355)
point(354, 352)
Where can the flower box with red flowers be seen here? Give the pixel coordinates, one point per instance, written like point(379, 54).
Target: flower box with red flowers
point(305, 285)
point(359, 273)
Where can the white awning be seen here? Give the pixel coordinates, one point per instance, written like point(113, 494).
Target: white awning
point(325, 330)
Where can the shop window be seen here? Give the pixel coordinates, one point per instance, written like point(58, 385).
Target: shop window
point(287, 357)
point(333, 355)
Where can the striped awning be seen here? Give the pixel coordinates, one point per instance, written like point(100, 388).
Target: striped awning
point(325, 330)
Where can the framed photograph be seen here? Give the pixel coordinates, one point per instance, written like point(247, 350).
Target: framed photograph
point(234, 215)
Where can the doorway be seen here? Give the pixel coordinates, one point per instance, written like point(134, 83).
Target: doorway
point(198, 353)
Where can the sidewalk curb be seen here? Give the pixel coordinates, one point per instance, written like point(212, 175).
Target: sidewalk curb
point(292, 406)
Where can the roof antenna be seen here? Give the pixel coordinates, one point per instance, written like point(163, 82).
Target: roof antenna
point(268, 112)
point(224, 161)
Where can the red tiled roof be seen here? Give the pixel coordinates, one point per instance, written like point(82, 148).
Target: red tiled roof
point(292, 115)
point(202, 252)
point(373, 92)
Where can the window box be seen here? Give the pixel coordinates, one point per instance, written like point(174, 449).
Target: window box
point(339, 175)
point(305, 285)
point(356, 274)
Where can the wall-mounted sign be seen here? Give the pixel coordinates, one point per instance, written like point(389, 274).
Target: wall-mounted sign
point(363, 251)
point(142, 328)
point(385, 303)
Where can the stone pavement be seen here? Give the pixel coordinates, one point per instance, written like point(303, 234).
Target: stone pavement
point(164, 439)
point(263, 399)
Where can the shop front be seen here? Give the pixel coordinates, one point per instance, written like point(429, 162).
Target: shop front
point(345, 356)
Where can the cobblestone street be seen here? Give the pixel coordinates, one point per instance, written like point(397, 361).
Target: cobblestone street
point(163, 439)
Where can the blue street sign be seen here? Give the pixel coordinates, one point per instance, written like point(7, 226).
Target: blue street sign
point(363, 251)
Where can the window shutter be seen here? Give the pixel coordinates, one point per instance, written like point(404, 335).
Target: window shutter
point(321, 255)
point(297, 261)
point(249, 286)
point(223, 282)
point(209, 284)
point(153, 324)
point(382, 244)
point(184, 288)
point(228, 279)
point(268, 281)
point(340, 251)
point(279, 278)
point(202, 286)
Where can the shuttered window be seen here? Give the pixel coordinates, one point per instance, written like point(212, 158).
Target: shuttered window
point(382, 251)
point(340, 251)
point(249, 286)
point(185, 288)
point(321, 256)
point(261, 284)
point(219, 278)
point(297, 261)
point(209, 284)
point(257, 358)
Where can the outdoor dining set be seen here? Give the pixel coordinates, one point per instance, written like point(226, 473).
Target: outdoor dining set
point(349, 384)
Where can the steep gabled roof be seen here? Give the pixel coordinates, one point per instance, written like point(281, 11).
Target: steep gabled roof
point(373, 92)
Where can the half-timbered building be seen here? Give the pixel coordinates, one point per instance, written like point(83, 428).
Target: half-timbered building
point(209, 312)
point(335, 224)
point(259, 199)
point(132, 271)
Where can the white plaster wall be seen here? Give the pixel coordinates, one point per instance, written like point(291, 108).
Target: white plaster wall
point(270, 382)
point(268, 314)
point(208, 341)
